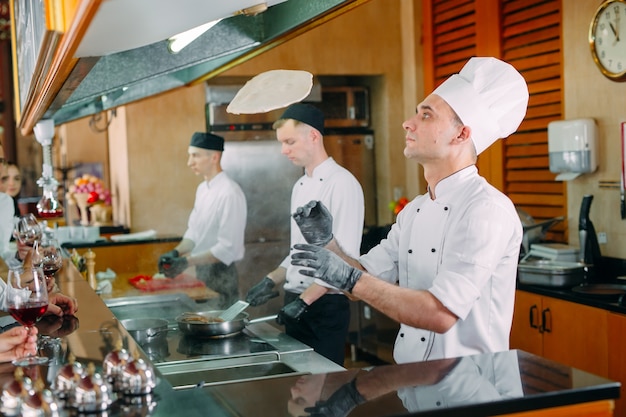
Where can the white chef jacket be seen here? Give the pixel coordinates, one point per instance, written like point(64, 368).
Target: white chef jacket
point(7, 223)
point(342, 194)
point(218, 219)
point(463, 247)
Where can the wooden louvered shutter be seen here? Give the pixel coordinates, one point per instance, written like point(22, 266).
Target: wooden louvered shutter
point(530, 39)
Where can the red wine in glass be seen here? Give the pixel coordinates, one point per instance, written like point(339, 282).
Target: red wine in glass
point(29, 313)
point(27, 302)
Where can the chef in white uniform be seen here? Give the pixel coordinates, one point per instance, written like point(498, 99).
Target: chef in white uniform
point(447, 269)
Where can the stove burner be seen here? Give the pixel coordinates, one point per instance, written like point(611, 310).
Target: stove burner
point(180, 347)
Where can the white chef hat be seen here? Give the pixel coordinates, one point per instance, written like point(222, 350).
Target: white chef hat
point(490, 96)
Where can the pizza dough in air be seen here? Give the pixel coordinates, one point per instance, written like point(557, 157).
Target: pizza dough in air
point(271, 90)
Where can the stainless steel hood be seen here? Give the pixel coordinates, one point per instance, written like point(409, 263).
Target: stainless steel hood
point(95, 84)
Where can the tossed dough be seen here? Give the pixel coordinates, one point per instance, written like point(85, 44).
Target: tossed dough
point(271, 90)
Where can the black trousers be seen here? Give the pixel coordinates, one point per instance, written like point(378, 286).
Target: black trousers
point(221, 278)
point(324, 326)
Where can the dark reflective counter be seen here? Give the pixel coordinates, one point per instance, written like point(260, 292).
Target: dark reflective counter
point(483, 385)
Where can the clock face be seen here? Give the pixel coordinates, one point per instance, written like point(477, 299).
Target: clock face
point(607, 37)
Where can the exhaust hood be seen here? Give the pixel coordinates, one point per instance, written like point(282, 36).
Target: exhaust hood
point(70, 86)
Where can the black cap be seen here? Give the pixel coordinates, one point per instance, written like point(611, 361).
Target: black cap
point(305, 113)
point(207, 141)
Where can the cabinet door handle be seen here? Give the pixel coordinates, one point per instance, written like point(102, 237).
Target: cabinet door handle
point(533, 315)
point(546, 321)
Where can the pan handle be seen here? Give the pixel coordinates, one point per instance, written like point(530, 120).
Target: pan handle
point(262, 319)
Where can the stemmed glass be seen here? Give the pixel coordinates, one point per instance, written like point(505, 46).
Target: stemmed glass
point(28, 230)
point(27, 302)
point(47, 254)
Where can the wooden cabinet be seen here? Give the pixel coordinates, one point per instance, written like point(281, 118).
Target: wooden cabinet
point(617, 358)
point(563, 331)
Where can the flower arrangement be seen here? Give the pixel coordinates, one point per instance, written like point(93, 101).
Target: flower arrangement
point(397, 206)
point(94, 187)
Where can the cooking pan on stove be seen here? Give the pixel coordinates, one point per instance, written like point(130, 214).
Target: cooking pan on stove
point(146, 330)
point(208, 323)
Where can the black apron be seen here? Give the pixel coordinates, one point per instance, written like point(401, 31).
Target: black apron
point(324, 326)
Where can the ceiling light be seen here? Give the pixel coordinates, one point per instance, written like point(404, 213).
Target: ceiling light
point(177, 42)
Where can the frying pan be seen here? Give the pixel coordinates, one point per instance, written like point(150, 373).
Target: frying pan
point(207, 324)
point(145, 330)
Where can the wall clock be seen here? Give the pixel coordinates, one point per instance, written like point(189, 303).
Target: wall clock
point(607, 39)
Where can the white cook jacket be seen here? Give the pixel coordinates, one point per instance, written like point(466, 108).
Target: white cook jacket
point(218, 219)
point(7, 224)
point(463, 247)
point(342, 195)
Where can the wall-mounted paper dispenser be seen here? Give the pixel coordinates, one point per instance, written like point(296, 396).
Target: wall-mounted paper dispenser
point(572, 147)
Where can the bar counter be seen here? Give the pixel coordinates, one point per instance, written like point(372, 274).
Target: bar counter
point(502, 383)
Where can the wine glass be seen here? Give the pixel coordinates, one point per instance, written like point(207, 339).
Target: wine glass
point(28, 230)
point(27, 301)
point(47, 254)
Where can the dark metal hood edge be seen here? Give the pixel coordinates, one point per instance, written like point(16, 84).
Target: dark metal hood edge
point(98, 84)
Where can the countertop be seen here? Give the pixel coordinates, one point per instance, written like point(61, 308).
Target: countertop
point(482, 385)
point(609, 303)
point(107, 242)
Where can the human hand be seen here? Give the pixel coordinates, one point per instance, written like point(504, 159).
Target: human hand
point(315, 223)
point(18, 342)
point(176, 267)
point(292, 311)
point(262, 292)
point(166, 259)
point(60, 304)
point(326, 265)
point(50, 283)
point(344, 400)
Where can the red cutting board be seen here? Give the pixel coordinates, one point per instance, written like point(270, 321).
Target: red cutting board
point(149, 284)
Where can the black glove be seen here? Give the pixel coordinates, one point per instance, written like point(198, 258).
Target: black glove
point(176, 266)
point(166, 259)
point(292, 311)
point(261, 292)
point(326, 266)
point(344, 400)
point(315, 223)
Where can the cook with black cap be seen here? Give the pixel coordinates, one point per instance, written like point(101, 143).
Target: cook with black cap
point(447, 269)
point(214, 238)
point(318, 315)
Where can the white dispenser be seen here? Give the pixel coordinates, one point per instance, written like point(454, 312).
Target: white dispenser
point(572, 147)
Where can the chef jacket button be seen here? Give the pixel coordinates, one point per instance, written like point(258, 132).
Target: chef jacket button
point(433, 250)
point(445, 208)
point(321, 179)
point(423, 339)
point(401, 334)
point(418, 210)
point(410, 250)
point(438, 403)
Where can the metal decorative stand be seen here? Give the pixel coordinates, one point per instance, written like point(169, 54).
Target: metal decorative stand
point(48, 206)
